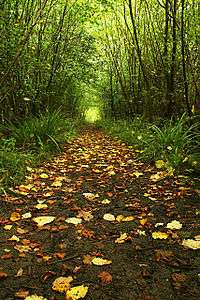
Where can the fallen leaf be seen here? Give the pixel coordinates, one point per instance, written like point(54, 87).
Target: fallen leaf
point(41, 206)
point(191, 244)
point(121, 239)
point(22, 248)
point(35, 297)
point(163, 255)
point(44, 175)
point(100, 261)
point(7, 227)
point(25, 188)
point(105, 201)
point(90, 196)
point(86, 215)
point(62, 284)
point(87, 233)
point(19, 273)
point(159, 235)
point(42, 220)
point(22, 294)
point(109, 217)
point(174, 225)
point(14, 238)
point(3, 274)
point(6, 256)
point(143, 221)
point(137, 174)
point(21, 230)
point(57, 184)
point(15, 216)
point(74, 220)
point(105, 277)
point(159, 164)
point(87, 259)
point(26, 215)
point(77, 292)
point(179, 280)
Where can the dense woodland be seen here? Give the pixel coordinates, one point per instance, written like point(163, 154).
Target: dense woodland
point(140, 57)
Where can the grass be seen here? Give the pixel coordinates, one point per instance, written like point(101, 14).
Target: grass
point(175, 142)
point(30, 142)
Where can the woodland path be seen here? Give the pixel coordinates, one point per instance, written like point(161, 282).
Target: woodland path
point(99, 182)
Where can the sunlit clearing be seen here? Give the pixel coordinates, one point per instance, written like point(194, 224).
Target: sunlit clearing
point(92, 115)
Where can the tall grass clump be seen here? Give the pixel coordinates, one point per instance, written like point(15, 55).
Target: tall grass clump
point(174, 142)
point(46, 132)
point(30, 142)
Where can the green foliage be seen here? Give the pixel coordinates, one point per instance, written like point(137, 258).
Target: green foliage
point(50, 129)
point(12, 163)
point(31, 142)
point(174, 142)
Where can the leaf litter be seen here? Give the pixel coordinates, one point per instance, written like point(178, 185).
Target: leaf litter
point(135, 224)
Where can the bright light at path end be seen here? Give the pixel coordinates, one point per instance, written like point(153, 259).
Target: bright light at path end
point(92, 114)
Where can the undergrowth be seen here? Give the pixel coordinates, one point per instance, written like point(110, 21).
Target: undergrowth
point(177, 143)
point(30, 142)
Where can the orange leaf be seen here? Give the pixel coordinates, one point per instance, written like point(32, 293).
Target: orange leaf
point(105, 277)
point(3, 274)
point(22, 294)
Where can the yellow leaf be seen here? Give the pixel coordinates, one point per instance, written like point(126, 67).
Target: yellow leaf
point(90, 196)
point(57, 184)
point(121, 239)
point(44, 175)
point(105, 201)
point(62, 284)
point(192, 244)
point(7, 227)
point(43, 220)
point(137, 174)
point(159, 235)
point(143, 221)
point(121, 218)
point(109, 217)
point(128, 219)
point(14, 238)
point(174, 225)
point(41, 206)
point(159, 164)
point(74, 220)
point(100, 261)
point(15, 216)
point(76, 292)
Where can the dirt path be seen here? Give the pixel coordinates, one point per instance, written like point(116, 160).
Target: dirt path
point(116, 203)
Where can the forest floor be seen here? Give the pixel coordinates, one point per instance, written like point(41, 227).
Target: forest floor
point(105, 229)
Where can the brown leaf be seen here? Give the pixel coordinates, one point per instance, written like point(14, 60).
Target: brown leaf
point(87, 233)
point(47, 275)
point(22, 294)
point(3, 275)
point(6, 256)
point(105, 277)
point(59, 255)
point(179, 280)
point(87, 259)
point(163, 255)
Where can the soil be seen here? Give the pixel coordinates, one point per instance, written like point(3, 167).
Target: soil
point(94, 176)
